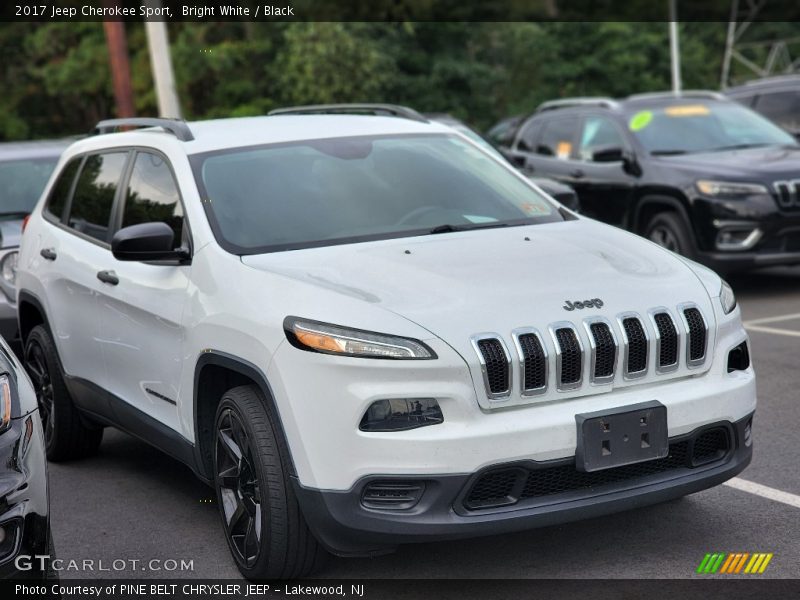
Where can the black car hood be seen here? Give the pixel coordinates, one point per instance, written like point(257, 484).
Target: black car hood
point(741, 165)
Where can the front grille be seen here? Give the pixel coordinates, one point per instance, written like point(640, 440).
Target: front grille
point(496, 364)
point(527, 485)
point(571, 355)
point(697, 334)
point(710, 446)
point(605, 350)
point(495, 489)
point(538, 361)
point(534, 359)
point(637, 345)
point(668, 340)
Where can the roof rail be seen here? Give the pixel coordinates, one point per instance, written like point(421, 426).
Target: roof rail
point(788, 77)
point(176, 127)
point(582, 101)
point(393, 110)
point(707, 94)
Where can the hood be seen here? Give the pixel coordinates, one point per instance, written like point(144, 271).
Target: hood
point(750, 164)
point(459, 284)
point(10, 233)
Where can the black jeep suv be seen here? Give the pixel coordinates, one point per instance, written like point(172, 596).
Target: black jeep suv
point(696, 173)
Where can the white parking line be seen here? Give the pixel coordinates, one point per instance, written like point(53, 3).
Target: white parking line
point(772, 319)
point(775, 330)
point(764, 491)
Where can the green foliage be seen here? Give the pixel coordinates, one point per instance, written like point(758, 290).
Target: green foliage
point(56, 79)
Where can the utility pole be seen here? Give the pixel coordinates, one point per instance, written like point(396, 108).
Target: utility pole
point(161, 64)
point(120, 67)
point(675, 52)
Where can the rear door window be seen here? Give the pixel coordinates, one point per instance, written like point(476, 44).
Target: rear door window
point(557, 138)
point(59, 195)
point(93, 201)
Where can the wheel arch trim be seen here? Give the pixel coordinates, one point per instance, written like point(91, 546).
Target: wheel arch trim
point(246, 369)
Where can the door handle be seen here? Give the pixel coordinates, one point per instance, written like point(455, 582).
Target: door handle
point(108, 277)
point(48, 253)
point(577, 173)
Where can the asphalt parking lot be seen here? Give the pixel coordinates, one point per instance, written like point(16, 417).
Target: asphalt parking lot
point(132, 502)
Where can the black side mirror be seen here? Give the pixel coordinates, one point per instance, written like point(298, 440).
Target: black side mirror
point(609, 154)
point(146, 241)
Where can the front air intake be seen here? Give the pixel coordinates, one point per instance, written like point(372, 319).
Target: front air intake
point(534, 363)
point(496, 365)
point(392, 495)
point(605, 351)
point(667, 341)
point(696, 330)
point(636, 347)
point(569, 359)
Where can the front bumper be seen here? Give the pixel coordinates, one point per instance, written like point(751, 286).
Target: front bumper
point(344, 526)
point(23, 497)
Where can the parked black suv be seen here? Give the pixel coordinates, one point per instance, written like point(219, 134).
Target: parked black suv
point(696, 173)
point(777, 98)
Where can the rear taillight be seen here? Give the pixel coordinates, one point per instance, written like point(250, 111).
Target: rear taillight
point(25, 222)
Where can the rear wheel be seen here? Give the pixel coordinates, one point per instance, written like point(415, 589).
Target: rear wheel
point(669, 231)
point(66, 434)
point(266, 531)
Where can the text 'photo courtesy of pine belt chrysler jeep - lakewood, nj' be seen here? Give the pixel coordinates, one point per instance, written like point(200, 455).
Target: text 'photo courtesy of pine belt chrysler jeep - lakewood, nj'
point(364, 329)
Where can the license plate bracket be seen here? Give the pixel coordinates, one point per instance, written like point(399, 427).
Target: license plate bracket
point(621, 436)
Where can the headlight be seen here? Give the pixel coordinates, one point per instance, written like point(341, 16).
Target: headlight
point(8, 267)
point(333, 339)
point(5, 403)
point(730, 189)
point(726, 298)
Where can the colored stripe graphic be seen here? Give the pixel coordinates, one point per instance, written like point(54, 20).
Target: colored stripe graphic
point(734, 562)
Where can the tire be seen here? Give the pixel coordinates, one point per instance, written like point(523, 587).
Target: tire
point(668, 230)
point(67, 434)
point(265, 529)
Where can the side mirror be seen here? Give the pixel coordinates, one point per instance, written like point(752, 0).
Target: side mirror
point(609, 154)
point(146, 241)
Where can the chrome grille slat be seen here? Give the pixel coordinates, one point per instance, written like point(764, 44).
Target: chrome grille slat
point(569, 356)
point(636, 346)
point(667, 340)
point(603, 360)
point(495, 364)
point(532, 355)
point(696, 335)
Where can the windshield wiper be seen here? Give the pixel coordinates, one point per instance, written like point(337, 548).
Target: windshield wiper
point(739, 146)
point(668, 152)
point(448, 228)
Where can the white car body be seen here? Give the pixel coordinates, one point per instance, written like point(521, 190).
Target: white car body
point(142, 341)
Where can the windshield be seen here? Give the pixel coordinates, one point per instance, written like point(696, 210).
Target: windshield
point(703, 127)
point(322, 192)
point(22, 182)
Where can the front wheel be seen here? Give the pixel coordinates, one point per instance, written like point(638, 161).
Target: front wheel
point(668, 231)
point(265, 530)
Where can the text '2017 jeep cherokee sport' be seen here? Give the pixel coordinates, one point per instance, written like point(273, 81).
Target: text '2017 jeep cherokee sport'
point(366, 330)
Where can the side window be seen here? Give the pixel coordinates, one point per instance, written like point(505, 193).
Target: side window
point(90, 212)
point(61, 189)
point(527, 139)
point(599, 132)
point(152, 195)
point(557, 138)
point(781, 107)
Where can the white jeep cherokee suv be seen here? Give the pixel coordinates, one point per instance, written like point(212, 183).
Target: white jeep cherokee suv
point(365, 330)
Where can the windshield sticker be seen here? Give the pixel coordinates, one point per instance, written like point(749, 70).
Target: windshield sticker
point(479, 219)
point(688, 110)
point(532, 209)
point(640, 120)
point(563, 150)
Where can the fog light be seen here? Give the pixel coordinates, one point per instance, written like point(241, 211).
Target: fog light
point(398, 414)
point(392, 495)
point(748, 433)
point(738, 239)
